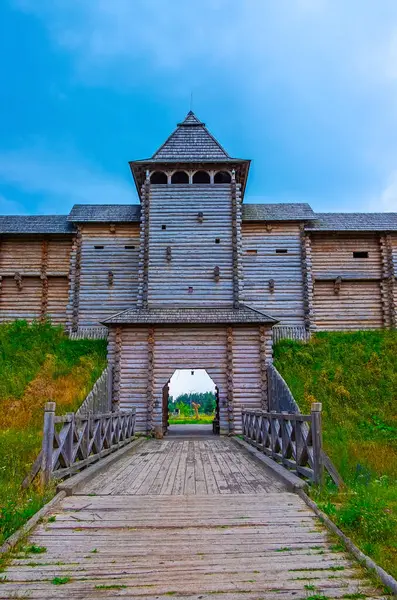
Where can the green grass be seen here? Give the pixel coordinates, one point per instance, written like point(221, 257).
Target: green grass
point(60, 580)
point(354, 375)
point(37, 363)
point(33, 549)
point(186, 420)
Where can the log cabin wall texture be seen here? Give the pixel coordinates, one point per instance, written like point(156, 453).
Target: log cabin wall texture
point(348, 274)
point(35, 277)
point(393, 243)
point(108, 280)
point(192, 347)
point(272, 267)
point(185, 248)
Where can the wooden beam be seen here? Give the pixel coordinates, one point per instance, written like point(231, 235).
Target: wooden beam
point(75, 277)
point(229, 377)
point(150, 382)
point(308, 285)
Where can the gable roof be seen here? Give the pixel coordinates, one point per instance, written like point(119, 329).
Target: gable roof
point(105, 213)
point(35, 224)
point(277, 212)
point(210, 315)
point(191, 141)
point(354, 222)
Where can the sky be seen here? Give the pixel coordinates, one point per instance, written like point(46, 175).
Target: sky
point(185, 381)
point(307, 89)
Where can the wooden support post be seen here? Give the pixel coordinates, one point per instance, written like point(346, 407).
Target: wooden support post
point(69, 441)
point(76, 275)
point(48, 441)
point(317, 440)
point(109, 383)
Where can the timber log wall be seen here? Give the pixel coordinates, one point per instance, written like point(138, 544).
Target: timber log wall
point(304, 279)
point(144, 359)
point(34, 273)
point(272, 267)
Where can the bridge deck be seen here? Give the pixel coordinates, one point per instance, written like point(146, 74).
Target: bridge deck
point(184, 519)
point(175, 467)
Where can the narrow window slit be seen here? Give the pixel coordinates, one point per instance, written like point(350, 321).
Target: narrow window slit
point(99, 247)
point(281, 251)
point(360, 254)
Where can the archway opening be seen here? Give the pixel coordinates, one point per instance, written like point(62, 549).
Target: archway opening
point(190, 404)
point(222, 177)
point(159, 177)
point(201, 177)
point(180, 177)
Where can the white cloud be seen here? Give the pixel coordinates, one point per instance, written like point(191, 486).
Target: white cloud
point(60, 178)
point(185, 381)
point(329, 64)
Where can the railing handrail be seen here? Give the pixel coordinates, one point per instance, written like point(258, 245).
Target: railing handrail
point(293, 439)
point(279, 395)
point(79, 440)
point(100, 396)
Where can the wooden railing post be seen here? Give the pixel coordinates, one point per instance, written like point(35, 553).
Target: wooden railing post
point(48, 442)
point(110, 387)
point(317, 440)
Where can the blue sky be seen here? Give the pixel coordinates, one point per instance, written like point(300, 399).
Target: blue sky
point(305, 88)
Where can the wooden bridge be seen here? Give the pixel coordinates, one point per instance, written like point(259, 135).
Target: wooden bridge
point(191, 518)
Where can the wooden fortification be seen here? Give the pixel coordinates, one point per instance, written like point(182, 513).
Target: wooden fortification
point(192, 277)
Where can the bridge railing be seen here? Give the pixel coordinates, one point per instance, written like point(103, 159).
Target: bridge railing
point(280, 397)
point(292, 439)
point(99, 400)
point(72, 442)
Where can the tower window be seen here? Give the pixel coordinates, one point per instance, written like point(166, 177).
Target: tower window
point(99, 247)
point(190, 290)
point(360, 254)
point(201, 177)
point(252, 252)
point(159, 177)
point(217, 241)
point(129, 247)
point(180, 177)
point(164, 227)
point(222, 177)
point(281, 251)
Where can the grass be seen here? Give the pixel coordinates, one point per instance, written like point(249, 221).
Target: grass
point(60, 580)
point(186, 420)
point(33, 549)
point(354, 375)
point(37, 363)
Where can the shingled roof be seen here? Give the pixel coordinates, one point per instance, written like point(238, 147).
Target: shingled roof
point(209, 316)
point(35, 224)
point(191, 141)
point(105, 213)
point(277, 212)
point(354, 222)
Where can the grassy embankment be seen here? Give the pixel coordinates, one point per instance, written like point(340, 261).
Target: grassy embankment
point(354, 375)
point(191, 420)
point(37, 363)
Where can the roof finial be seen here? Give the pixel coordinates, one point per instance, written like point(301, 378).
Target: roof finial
point(191, 101)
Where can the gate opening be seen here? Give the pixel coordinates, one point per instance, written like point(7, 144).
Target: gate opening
point(190, 404)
